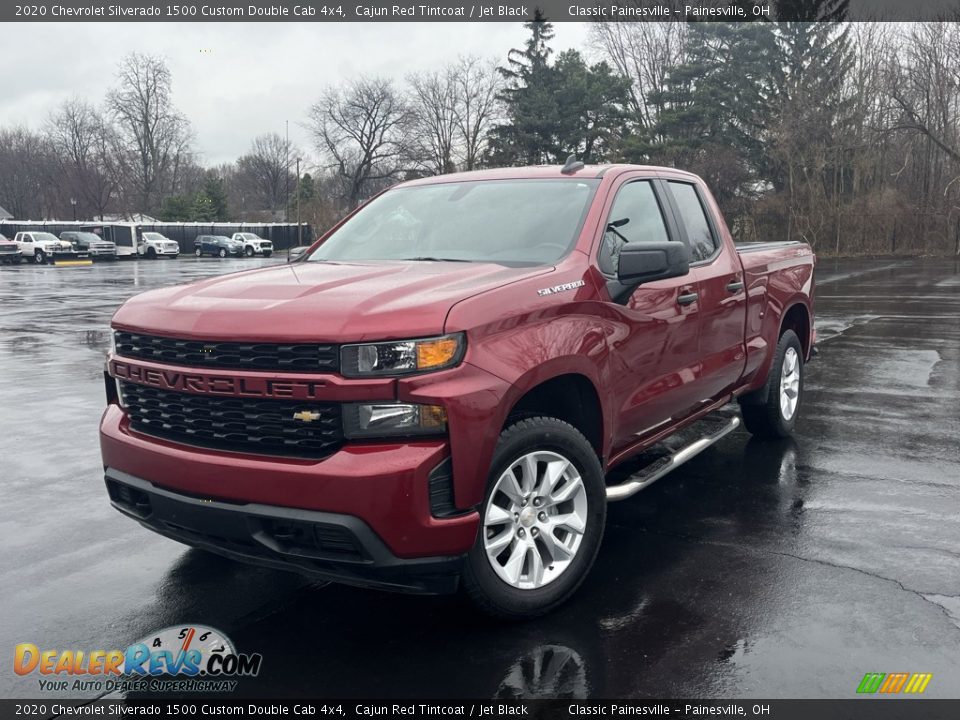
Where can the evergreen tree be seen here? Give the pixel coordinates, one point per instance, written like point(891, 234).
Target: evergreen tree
point(203, 209)
point(527, 136)
point(216, 193)
point(554, 110)
point(177, 208)
point(715, 108)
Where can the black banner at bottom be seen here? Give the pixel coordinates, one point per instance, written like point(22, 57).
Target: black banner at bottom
point(852, 709)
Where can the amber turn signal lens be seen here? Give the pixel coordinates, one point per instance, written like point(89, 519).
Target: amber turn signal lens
point(433, 416)
point(436, 353)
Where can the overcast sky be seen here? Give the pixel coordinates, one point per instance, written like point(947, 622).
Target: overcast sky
point(236, 80)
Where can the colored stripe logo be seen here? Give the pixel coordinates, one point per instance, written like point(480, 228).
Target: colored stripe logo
point(894, 683)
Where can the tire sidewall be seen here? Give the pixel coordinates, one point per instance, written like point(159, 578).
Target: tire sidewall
point(788, 340)
point(541, 434)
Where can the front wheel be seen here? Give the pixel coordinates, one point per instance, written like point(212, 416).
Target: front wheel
point(39, 257)
point(248, 251)
point(222, 253)
point(267, 253)
point(771, 412)
point(541, 521)
point(151, 254)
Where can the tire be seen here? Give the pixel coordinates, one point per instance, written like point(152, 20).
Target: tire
point(39, 256)
point(248, 251)
point(539, 587)
point(151, 254)
point(772, 411)
point(198, 252)
point(267, 253)
point(223, 252)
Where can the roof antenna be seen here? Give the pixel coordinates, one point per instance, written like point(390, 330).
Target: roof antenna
point(572, 165)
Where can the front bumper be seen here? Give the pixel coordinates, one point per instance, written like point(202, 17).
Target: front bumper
point(331, 546)
point(386, 485)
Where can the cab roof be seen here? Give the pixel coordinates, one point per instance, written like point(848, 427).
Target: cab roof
point(539, 172)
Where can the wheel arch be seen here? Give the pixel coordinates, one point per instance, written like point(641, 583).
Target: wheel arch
point(568, 396)
point(797, 318)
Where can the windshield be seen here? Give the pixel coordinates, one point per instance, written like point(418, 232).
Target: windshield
point(44, 237)
point(153, 236)
point(512, 222)
point(86, 237)
point(249, 236)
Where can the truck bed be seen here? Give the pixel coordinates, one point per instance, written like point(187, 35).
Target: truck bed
point(746, 247)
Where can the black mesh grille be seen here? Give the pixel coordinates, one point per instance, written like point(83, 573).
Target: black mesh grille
point(239, 356)
point(265, 427)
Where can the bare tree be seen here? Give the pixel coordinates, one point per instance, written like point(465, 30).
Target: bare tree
point(154, 136)
point(28, 166)
point(476, 85)
point(359, 129)
point(263, 173)
point(84, 145)
point(645, 52)
point(433, 128)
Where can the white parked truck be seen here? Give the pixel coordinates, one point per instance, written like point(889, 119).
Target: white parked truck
point(44, 246)
point(253, 244)
point(153, 245)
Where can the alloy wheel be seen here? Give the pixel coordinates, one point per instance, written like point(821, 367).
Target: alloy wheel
point(534, 520)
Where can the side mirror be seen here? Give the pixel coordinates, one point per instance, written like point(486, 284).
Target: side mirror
point(295, 254)
point(642, 262)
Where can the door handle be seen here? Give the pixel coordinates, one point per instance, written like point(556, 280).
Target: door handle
point(687, 298)
point(735, 286)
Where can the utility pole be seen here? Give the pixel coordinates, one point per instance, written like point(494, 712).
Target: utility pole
point(286, 174)
point(299, 226)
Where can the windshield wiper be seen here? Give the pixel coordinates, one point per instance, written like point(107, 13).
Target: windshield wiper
point(434, 259)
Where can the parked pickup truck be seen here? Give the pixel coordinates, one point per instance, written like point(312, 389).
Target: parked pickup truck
point(253, 244)
point(432, 396)
point(9, 251)
point(91, 243)
point(43, 246)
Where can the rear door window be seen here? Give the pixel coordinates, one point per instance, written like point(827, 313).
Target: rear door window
point(693, 217)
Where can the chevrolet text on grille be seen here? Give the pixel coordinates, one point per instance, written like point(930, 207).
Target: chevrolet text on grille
point(218, 385)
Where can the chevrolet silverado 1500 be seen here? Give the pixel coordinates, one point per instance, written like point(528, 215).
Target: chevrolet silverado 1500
point(432, 396)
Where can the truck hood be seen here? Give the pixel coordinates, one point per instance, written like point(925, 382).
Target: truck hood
point(317, 302)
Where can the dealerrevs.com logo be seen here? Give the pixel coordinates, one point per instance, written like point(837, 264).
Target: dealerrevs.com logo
point(184, 658)
point(894, 683)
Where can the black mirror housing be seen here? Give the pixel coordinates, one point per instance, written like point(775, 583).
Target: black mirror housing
point(642, 262)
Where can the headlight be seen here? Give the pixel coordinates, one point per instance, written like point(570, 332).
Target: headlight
point(402, 357)
point(373, 420)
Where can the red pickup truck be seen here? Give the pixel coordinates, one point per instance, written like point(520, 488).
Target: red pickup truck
point(431, 397)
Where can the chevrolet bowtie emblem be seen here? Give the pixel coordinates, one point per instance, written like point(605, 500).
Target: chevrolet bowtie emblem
point(306, 415)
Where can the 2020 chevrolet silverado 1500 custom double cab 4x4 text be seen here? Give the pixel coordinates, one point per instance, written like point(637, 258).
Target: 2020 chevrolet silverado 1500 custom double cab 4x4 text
point(432, 395)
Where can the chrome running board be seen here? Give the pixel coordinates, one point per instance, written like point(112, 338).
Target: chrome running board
point(660, 467)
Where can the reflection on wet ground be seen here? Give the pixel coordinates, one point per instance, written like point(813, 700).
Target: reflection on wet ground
point(759, 569)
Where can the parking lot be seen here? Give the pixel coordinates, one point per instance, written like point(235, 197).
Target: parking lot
point(770, 570)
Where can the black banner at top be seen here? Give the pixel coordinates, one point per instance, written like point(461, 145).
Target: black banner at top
point(463, 10)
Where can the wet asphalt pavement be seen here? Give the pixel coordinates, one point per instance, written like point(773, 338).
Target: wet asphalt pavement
point(783, 569)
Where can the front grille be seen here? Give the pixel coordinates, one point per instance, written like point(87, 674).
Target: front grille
point(261, 427)
point(9, 249)
point(239, 356)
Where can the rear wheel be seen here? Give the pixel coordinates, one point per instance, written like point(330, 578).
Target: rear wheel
point(223, 252)
point(771, 412)
point(198, 252)
point(541, 521)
